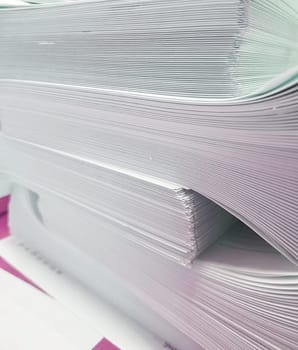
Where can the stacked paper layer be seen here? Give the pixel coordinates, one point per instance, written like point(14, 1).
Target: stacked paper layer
point(240, 294)
point(242, 156)
point(76, 315)
point(207, 48)
point(161, 216)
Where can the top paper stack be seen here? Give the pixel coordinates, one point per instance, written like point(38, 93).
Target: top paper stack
point(199, 49)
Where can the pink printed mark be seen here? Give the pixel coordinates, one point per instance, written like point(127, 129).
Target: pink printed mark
point(4, 230)
point(104, 344)
point(4, 205)
point(4, 265)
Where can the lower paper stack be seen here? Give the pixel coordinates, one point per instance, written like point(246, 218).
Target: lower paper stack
point(240, 294)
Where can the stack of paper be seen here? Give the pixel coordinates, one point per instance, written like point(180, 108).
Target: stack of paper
point(122, 83)
point(134, 133)
point(159, 215)
point(44, 308)
point(242, 156)
point(207, 48)
point(241, 294)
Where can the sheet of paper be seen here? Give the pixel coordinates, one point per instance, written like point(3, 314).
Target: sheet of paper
point(33, 320)
point(106, 319)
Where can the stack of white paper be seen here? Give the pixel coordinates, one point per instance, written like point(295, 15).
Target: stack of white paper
point(125, 83)
point(135, 134)
point(240, 294)
point(207, 48)
point(159, 215)
point(242, 156)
